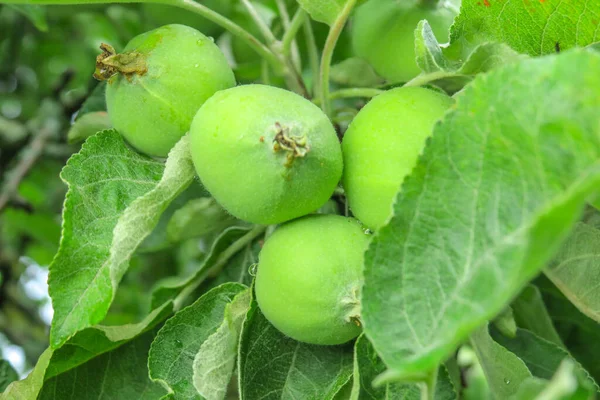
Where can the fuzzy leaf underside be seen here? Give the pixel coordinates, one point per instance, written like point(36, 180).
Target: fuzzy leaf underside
point(456, 252)
point(115, 199)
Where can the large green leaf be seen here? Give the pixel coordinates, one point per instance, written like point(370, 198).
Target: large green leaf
point(576, 268)
point(273, 366)
point(95, 341)
point(367, 365)
point(86, 346)
point(533, 27)
point(197, 329)
point(119, 374)
point(524, 137)
point(115, 199)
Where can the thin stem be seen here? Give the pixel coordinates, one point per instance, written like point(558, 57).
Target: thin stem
point(428, 387)
point(219, 264)
point(260, 23)
point(264, 73)
point(224, 22)
point(332, 38)
point(292, 47)
point(423, 79)
point(292, 30)
point(313, 54)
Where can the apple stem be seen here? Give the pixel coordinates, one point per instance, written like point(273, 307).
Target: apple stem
point(334, 33)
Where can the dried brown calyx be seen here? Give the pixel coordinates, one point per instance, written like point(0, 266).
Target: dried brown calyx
point(110, 63)
point(296, 146)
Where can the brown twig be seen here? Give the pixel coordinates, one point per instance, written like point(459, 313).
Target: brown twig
point(29, 156)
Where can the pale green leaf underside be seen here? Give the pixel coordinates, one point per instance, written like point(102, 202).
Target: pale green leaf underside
point(530, 27)
point(273, 366)
point(576, 268)
point(498, 187)
point(214, 362)
point(114, 201)
point(171, 358)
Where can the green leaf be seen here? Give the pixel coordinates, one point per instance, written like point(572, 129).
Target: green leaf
point(504, 371)
point(566, 384)
point(530, 313)
point(355, 72)
point(35, 14)
point(171, 361)
point(29, 387)
point(453, 75)
point(541, 356)
point(115, 199)
point(529, 27)
point(576, 268)
point(456, 252)
point(171, 287)
point(272, 365)
point(119, 374)
point(93, 342)
point(215, 361)
point(367, 366)
point(88, 125)
point(85, 346)
point(7, 373)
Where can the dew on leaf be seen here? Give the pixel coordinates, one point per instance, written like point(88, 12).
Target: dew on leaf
point(252, 269)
